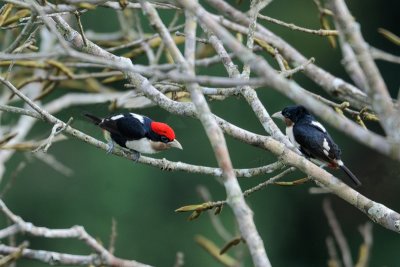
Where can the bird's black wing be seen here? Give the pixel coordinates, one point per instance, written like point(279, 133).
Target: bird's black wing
point(316, 142)
point(127, 126)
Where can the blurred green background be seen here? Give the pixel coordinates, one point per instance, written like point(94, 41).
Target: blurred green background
point(142, 199)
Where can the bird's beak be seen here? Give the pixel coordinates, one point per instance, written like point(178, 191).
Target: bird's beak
point(175, 144)
point(278, 115)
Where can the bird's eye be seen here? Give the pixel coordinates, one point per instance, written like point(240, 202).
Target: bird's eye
point(164, 139)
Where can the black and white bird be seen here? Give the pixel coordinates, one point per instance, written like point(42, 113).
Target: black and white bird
point(312, 139)
point(137, 133)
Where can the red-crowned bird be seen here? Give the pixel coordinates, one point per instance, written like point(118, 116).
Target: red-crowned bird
point(137, 133)
point(312, 139)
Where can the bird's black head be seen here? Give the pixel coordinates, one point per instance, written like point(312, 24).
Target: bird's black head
point(295, 113)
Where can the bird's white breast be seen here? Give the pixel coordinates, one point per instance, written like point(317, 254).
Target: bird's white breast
point(143, 145)
point(290, 135)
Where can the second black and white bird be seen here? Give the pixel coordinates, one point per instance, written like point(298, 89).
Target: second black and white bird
point(312, 139)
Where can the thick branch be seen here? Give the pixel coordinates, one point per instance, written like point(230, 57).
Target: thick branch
point(243, 214)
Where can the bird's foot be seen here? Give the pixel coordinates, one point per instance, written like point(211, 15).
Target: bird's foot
point(135, 156)
point(110, 147)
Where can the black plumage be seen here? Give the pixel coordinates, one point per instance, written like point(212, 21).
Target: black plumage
point(123, 127)
point(312, 139)
point(128, 126)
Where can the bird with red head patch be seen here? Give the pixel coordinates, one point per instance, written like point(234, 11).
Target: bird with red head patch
point(137, 133)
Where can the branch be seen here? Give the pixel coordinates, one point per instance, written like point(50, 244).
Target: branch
point(333, 257)
point(243, 214)
point(365, 248)
point(350, 62)
point(160, 163)
point(254, 9)
point(338, 233)
point(382, 55)
point(376, 89)
point(247, 92)
point(294, 27)
point(77, 232)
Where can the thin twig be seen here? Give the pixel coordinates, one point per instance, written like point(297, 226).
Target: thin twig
point(254, 9)
point(294, 27)
point(215, 220)
point(268, 182)
point(302, 67)
point(200, 40)
point(180, 259)
point(333, 255)
point(82, 32)
point(365, 248)
point(338, 233)
point(113, 236)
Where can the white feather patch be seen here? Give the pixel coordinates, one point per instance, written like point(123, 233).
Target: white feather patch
point(138, 117)
point(116, 117)
point(142, 145)
point(325, 144)
point(319, 125)
point(289, 133)
point(326, 147)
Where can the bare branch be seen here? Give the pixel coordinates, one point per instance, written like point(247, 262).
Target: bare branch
point(294, 27)
point(333, 257)
point(215, 220)
point(78, 232)
point(338, 234)
point(376, 89)
point(365, 248)
point(382, 55)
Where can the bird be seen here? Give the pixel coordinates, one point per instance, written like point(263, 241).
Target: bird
point(138, 133)
point(312, 139)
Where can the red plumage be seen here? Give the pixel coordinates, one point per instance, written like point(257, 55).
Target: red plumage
point(162, 129)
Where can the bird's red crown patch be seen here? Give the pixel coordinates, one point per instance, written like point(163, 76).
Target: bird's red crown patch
point(163, 129)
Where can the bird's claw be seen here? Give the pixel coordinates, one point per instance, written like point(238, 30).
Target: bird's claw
point(135, 156)
point(110, 147)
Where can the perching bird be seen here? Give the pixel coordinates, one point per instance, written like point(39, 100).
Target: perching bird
point(312, 139)
point(137, 133)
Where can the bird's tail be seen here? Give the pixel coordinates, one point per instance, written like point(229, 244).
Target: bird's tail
point(96, 120)
point(350, 174)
